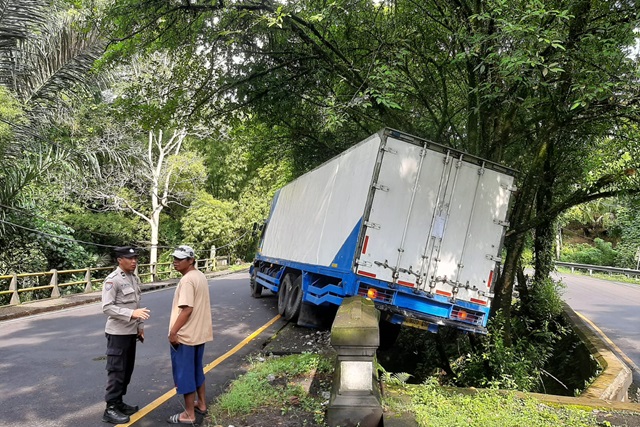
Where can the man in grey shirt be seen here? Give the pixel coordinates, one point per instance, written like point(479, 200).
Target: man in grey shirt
point(121, 303)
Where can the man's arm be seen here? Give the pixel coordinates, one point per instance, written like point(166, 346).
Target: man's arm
point(183, 317)
point(109, 307)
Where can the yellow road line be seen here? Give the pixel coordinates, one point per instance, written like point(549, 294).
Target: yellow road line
point(615, 348)
point(168, 395)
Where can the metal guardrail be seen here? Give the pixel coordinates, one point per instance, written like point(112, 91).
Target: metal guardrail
point(83, 280)
point(599, 268)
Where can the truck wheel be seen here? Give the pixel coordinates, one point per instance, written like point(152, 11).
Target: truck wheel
point(294, 299)
point(256, 288)
point(282, 294)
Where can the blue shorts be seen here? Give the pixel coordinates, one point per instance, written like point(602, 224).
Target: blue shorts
point(186, 364)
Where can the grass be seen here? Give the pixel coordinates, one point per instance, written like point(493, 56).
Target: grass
point(270, 386)
point(434, 406)
point(273, 384)
point(604, 276)
point(238, 267)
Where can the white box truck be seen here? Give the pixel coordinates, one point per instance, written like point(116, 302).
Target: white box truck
point(415, 226)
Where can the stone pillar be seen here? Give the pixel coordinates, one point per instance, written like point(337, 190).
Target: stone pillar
point(154, 272)
point(13, 286)
point(87, 279)
point(212, 257)
point(355, 395)
point(55, 290)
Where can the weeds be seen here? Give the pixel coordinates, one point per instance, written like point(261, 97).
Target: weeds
point(437, 407)
point(270, 392)
point(273, 385)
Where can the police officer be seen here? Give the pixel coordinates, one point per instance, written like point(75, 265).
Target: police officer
point(121, 303)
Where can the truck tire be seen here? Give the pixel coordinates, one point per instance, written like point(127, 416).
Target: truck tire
point(294, 299)
point(256, 288)
point(282, 294)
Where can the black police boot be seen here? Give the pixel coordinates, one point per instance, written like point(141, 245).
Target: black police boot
point(127, 409)
point(114, 416)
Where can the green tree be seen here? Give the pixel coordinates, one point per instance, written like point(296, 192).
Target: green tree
point(228, 221)
point(547, 88)
point(629, 223)
point(47, 51)
point(143, 118)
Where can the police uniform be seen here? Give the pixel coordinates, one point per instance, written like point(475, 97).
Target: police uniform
point(120, 297)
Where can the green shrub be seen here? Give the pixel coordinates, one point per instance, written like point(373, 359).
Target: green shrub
point(600, 253)
point(437, 407)
point(537, 330)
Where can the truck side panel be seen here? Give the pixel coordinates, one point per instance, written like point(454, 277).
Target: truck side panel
point(472, 251)
point(315, 214)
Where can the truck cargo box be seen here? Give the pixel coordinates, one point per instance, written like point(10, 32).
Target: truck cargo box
point(412, 224)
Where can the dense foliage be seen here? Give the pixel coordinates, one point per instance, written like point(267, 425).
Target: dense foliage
point(437, 407)
point(198, 111)
point(531, 362)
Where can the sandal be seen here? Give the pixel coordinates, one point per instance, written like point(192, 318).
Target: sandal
point(200, 411)
point(175, 419)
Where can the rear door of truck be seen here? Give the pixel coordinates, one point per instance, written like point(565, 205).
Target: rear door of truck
point(436, 220)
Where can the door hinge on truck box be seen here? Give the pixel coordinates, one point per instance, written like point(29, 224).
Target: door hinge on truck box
point(363, 263)
point(372, 225)
point(380, 187)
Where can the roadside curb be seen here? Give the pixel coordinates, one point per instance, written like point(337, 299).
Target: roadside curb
point(612, 385)
point(608, 391)
point(26, 309)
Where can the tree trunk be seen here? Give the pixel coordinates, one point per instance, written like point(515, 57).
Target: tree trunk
point(155, 232)
point(514, 245)
point(504, 286)
point(544, 233)
point(543, 251)
point(156, 206)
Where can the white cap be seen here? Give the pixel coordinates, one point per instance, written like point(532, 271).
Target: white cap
point(184, 251)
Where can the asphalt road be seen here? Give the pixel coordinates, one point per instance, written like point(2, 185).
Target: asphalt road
point(614, 307)
point(52, 366)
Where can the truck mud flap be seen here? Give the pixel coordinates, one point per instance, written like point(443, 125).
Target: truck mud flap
point(317, 317)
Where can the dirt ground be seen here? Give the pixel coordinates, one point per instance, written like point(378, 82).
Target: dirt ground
point(621, 419)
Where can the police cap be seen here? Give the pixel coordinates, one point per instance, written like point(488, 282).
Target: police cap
point(125, 252)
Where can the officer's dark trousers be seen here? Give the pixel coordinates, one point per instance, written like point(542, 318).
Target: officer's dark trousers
point(121, 355)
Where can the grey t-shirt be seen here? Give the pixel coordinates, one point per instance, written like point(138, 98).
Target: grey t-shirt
point(120, 297)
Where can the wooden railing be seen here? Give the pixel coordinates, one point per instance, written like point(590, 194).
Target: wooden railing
point(55, 283)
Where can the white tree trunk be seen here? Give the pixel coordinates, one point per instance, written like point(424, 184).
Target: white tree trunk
point(159, 184)
point(159, 191)
point(156, 207)
point(558, 242)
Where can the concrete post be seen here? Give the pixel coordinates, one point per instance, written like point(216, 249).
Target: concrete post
point(154, 272)
point(355, 395)
point(55, 290)
point(87, 278)
point(212, 256)
point(13, 286)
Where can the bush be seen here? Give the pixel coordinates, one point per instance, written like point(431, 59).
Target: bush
point(437, 407)
point(601, 253)
point(537, 330)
